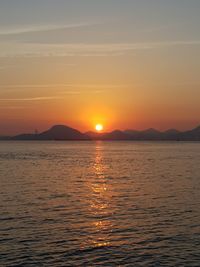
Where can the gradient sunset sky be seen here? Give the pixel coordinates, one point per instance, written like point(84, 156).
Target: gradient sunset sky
point(123, 63)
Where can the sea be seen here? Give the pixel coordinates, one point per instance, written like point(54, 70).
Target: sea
point(99, 203)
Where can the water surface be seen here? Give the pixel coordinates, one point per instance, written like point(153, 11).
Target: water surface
point(99, 204)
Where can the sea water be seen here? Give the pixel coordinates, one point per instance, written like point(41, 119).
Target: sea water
point(99, 204)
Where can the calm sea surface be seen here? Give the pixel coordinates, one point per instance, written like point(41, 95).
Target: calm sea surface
point(99, 204)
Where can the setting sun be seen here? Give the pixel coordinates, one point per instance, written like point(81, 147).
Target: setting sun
point(99, 127)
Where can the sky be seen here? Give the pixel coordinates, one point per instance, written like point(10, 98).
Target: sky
point(128, 64)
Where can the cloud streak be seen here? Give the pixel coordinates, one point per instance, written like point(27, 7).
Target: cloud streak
point(61, 95)
point(41, 98)
point(64, 85)
point(12, 107)
point(41, 28)
point(85, 49)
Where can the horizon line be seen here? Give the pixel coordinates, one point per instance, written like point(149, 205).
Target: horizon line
point(104, 132)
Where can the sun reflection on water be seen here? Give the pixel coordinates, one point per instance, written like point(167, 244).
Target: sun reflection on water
point(100, 201)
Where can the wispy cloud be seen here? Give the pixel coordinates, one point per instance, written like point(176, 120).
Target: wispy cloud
point(60, 95)
point(33, 85)
point(65, 85)
point(41, 98)
point(12, 107)
point(84, 49)
point(81, 92)
point(41, 28)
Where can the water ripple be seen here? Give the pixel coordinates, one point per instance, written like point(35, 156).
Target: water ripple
point(99, 204)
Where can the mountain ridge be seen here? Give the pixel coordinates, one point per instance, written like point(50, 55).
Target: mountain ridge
point(56, 132)
point(65, 133)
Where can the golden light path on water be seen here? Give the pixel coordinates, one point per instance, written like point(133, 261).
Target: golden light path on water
point(100, 193)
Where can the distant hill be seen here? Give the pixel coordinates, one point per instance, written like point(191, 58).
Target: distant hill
point(5, 138)
point(193, 135)
point(95, 135)
point(62, 132)
point(171, 134)
point(57, 132)
point(148, 135)
point(114, 135)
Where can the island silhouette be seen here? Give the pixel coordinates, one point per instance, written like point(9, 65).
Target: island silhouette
point(62, 133)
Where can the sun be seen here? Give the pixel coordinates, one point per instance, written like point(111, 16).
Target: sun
point(99, 127)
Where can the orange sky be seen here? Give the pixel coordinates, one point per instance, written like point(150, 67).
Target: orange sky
point(119, 63)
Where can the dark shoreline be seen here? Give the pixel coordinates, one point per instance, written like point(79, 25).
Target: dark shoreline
point(66, 133)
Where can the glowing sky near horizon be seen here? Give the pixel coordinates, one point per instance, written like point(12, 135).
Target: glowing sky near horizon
point(124, 63)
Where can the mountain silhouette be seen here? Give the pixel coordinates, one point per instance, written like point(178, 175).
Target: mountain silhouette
point(62, 132)
point(114, 135)
point(193, 134)
point(4, 138)
point(171, 134)
point(57, 132)
point(117, 135)
point(148, 135)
